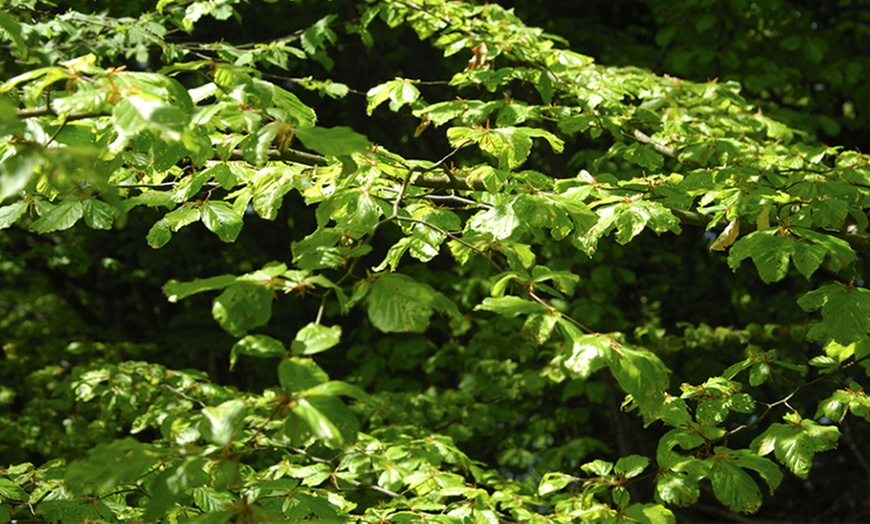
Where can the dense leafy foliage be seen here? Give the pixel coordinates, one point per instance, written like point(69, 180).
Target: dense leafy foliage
point(417, 261)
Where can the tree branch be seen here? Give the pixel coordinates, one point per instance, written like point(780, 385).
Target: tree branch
point(48, 111)
point(448, 182)
point(287, 155)
point(859, 240)
point(643, 138)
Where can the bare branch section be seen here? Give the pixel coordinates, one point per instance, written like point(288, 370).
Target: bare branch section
point(448, 182)
point(660, 148)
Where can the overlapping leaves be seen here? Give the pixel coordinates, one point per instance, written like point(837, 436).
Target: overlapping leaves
point(226, 149)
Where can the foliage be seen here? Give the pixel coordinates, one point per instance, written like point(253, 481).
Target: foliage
point(418, 310)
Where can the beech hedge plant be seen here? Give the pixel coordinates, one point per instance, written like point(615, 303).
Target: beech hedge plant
point(459, 348)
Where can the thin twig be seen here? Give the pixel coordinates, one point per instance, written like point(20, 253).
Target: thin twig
point(184, 395)
point(446, 157)
point(450, 236)
point(126, 185)
point(570, 319)
point(402, 189)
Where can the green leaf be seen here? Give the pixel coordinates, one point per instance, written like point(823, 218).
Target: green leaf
point(98, 214)
point(298, 374)
point(400, 304)
point(511, 306)
point(222, 423)
point(75, 510)
point(808, 257)
point(12, 28)
point(242, 307)
point(588, 353)
point(736, 368)
point(319, 250)
point(733, 486)
point(399, 92)
point(687, 439)
point(175, 290)
point(314, 36)
point(255, 147)
point(631, 466)
point(259, 346)
point(510, 145)
point(599, 467)
point(315, 338)
point(339, 414)
point(319, 424)
point(840, 250)
point(642, 375)
point(269, 190)
point(9, 214)
point(576, 123)
point(650, 514)
point(540, 327)
point(135, 114)
point(60, 217)
point(172, 484)
point(355, 212)
point(182, 216)
point(12, 491)
point(842, 401)
point(646, 157)
point(501, 221)
point(746, 459)
point(336, 388)
point(634, 217)
point(678, 488)
point(213, 501)
point(794, 444)
point(333, 141)
point(629, 219)
point(159, 234)
point(553, 482)
point(108, 466)
point(220, 218)
point(769, 251)
point(286, 107)
point(759, 373)
point(845, 313)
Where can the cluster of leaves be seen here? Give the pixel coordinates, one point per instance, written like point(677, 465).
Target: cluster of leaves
point(218, 135)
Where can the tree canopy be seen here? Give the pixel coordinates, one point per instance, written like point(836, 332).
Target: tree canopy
point(429, 261)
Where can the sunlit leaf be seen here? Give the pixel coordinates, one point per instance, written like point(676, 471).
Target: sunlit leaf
point(223, 423)
point(314, 338)
point(334, 141)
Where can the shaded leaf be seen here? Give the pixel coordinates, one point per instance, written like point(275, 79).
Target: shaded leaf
point(242, 307)
point(298, 374)
point(60, 217)
point(11, 213)
point(845, 313)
